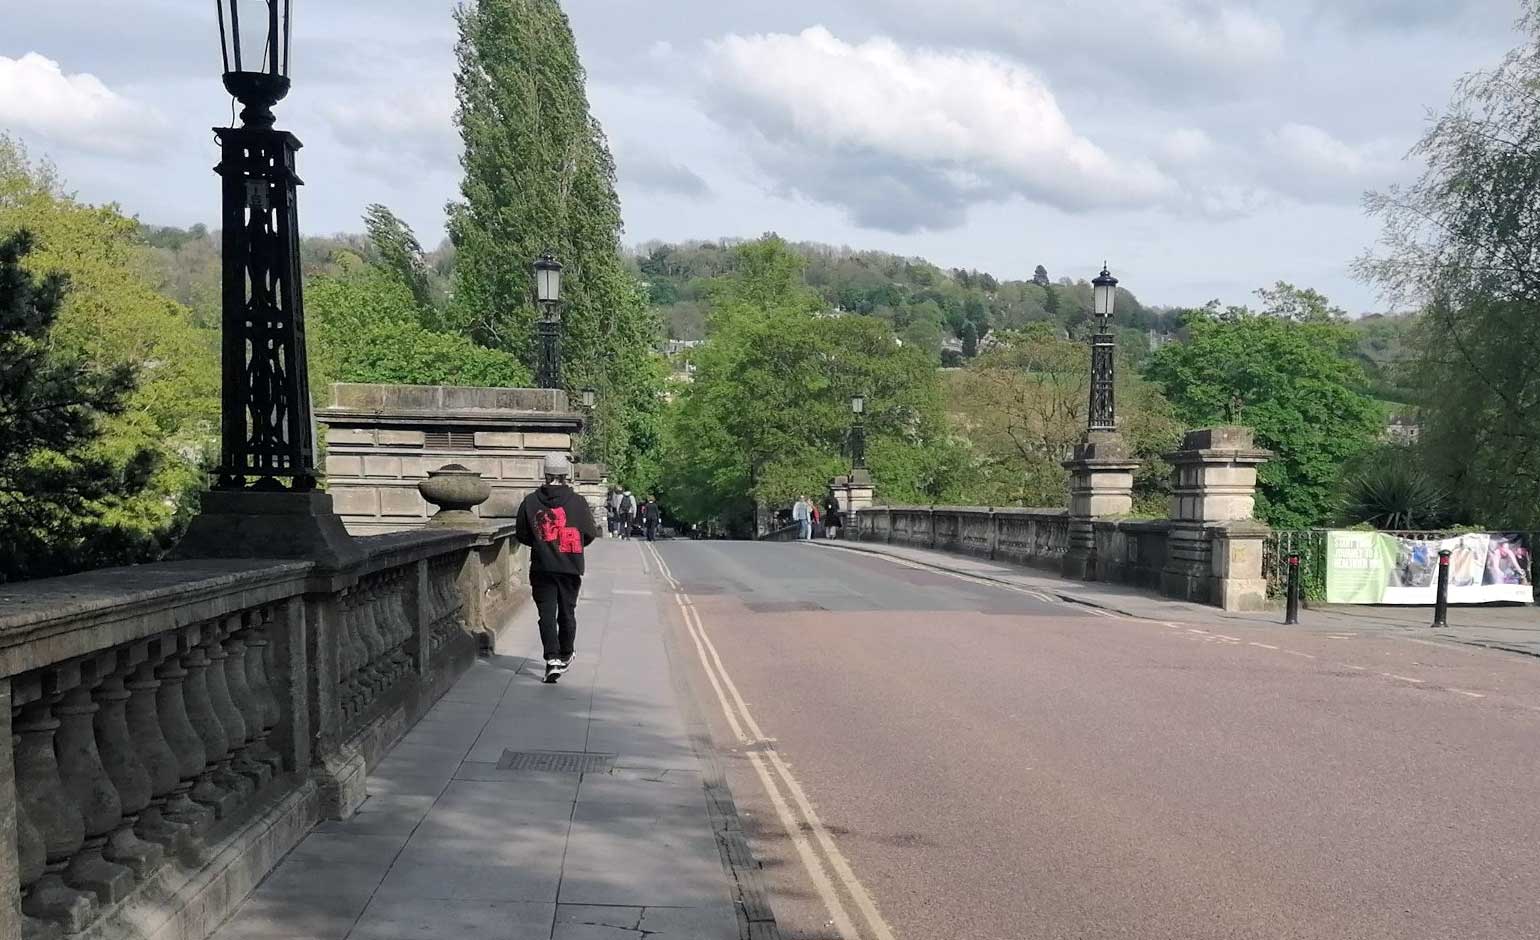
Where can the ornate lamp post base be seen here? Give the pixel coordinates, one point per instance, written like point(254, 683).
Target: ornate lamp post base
point(256, 524)
point(1101, 484)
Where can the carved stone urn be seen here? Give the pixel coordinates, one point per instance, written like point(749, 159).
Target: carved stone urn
point(456, 491)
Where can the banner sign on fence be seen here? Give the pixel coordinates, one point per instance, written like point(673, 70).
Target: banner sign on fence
point(1375, 568)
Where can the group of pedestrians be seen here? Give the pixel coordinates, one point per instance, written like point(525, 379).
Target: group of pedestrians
point(806, 514)
point(626, 514)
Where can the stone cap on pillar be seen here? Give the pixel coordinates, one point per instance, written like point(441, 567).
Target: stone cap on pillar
point(1102, 449)
point(590, 472)
point(1226, 443)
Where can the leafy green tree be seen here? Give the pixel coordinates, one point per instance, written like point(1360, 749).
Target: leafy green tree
point(363, 325)
point(1022, 405)
point(1296, 382)
point(112, 317)
point(1040, 276)
point(970, 341)
point(1458, 245)
point(400, 253)
point(58, 485)
point(538, 176)
point(767, 414)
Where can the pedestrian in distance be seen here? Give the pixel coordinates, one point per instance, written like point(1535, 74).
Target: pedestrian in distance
point(831, 516)
point(613, 515)
point(627, 513)
point(802, 515)
point(556, 524)
point(652, 517)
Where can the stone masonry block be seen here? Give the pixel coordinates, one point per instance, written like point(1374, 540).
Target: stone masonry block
point(387, 467)
point(355, 500)
point(403, 438)
point(521, 470)
point(402, 501)
point(344, 465)
point(502, 440)
point(548, 441)
point(350, 436)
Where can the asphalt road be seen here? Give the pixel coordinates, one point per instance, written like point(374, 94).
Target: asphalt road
point(987, 764)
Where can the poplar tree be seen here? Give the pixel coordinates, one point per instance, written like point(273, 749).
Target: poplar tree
point(539, 177)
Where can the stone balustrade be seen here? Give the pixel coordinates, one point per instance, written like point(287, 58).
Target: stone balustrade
point(174, 729)
point(1035, 537)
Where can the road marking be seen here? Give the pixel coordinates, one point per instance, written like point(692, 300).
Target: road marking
point(1299, 654)
point(1391, 675)
point(715, 668)
point(1266, 646)
point(1467, 694)
point(626, 591)
point(1196, 630)
point(1359, 668)
point(987, 582)
point(1232, 639)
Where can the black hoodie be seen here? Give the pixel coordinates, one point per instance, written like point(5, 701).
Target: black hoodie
point(556, 524)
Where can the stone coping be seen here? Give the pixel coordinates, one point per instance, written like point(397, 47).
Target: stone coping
point(1007, 510)
point(489, 420)
point(50, 620)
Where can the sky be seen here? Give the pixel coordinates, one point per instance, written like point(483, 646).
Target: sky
point(1202, 148)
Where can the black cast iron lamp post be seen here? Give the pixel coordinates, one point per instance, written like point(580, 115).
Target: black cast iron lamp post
point(858, 432)
point(1103, 414)
point(548, 294)
point(267, 434)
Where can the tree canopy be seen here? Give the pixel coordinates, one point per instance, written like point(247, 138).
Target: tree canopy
point(1296, 382)
point(1463, 245)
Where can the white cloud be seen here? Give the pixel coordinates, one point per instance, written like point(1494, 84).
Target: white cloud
point(1310, 163)
point(396, 135)
point(77, 110)
point(1186, 145)
point(907, 139)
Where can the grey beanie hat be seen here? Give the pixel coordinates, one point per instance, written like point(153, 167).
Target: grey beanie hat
point(557, 465)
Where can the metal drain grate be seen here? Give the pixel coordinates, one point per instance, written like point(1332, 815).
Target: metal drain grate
point(557, 762)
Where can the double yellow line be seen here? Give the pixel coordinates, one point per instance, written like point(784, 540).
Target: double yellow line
point(797, 816)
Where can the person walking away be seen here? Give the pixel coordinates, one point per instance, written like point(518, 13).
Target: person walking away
point(652, 517)
point(614, 511)
point(627, 513)
point(556, 524)
point(831, 516)
point(801, 514)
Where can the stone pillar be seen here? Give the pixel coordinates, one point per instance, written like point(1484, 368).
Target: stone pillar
point(1214, 552)
point(854, 493)
point(1101, 485)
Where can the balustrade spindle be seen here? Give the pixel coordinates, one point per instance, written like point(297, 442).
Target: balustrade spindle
point(80, 766)
point(374, 641)
point(160, 762)
point(358, 654)
point(182, 737)
point(120, 758)
point(225, 711)
point(258, 647)
point(246, 761)
point(213, 787)
point(41, 796)
point(405, 629)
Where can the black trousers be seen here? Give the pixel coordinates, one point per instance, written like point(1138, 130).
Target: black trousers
point(556, 598)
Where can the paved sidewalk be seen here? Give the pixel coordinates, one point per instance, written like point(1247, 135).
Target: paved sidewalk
point(1514, 628)
point(455, 841)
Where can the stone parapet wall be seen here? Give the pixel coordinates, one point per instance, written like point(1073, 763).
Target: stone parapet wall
point(382, 440)
point(174, 729)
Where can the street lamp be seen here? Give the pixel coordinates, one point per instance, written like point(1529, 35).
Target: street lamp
point(858, 432)
point(589, 395)
point(266, 428)
point(1103, 414)
point(548, 294)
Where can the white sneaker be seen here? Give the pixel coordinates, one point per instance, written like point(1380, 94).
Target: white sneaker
point(557, 666)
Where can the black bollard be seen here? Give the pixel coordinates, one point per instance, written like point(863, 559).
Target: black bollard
point(1292, 616)
point(1441, 608)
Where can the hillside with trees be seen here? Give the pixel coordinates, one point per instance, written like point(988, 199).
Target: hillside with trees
point(927, 306)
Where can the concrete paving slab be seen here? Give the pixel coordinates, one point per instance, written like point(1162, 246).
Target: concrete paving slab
point(383, 814)
point(425, 919)
point(333, 863)
point(268, 916)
